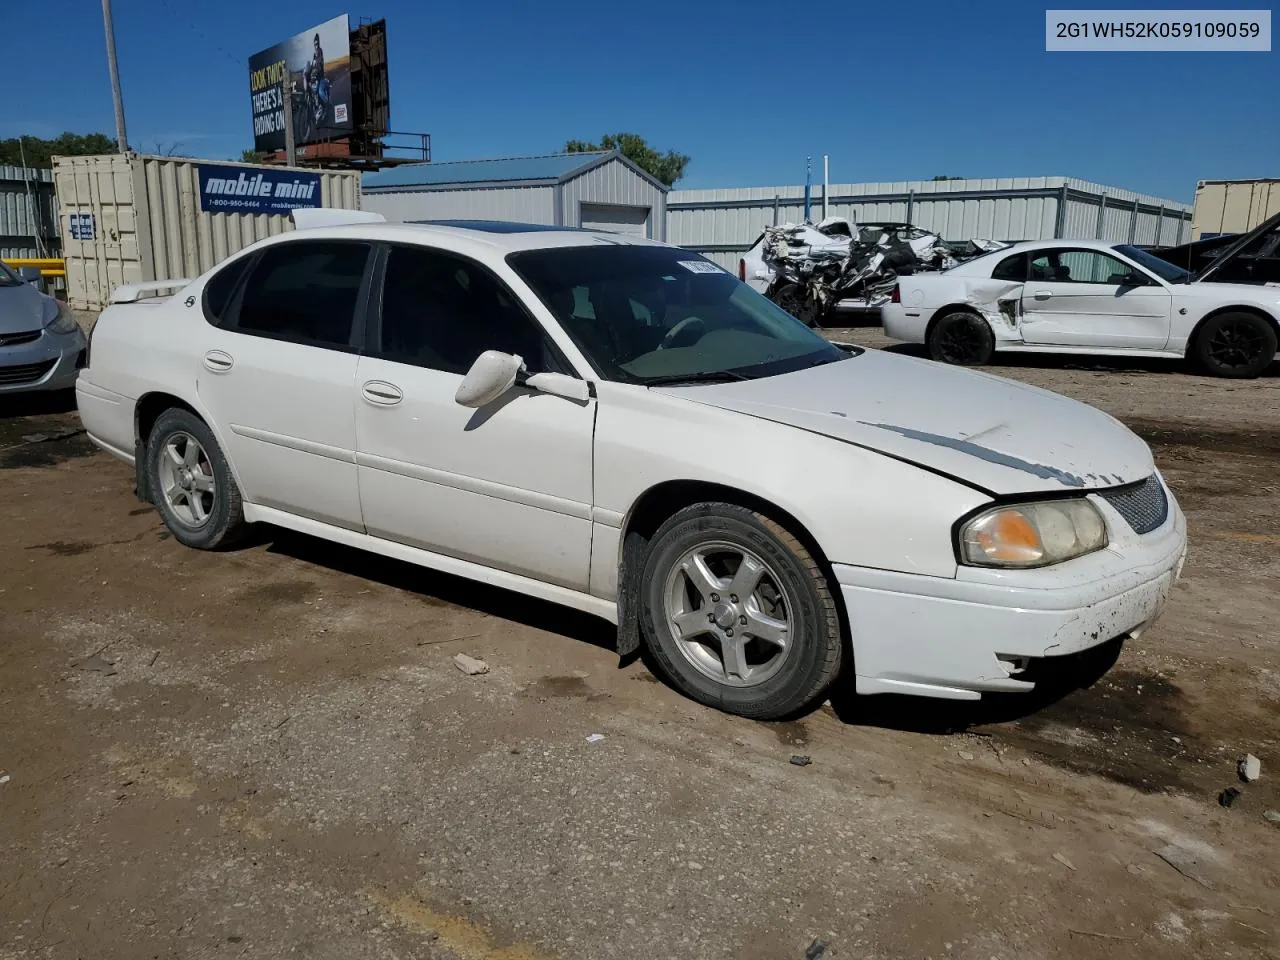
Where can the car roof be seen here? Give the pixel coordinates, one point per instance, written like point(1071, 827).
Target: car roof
point(478, 237)
point(1057, 245)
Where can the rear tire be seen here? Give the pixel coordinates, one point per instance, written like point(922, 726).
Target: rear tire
point(791, 298)
point(1236, 345)
point(191, 483)
point(738, 614)
point(961, 338)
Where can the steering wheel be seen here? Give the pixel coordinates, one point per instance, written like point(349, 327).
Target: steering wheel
point(672, 334)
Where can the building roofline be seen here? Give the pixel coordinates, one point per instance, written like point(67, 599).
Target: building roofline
point(615, 154)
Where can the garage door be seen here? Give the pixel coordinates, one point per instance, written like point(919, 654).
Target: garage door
point(599, 216)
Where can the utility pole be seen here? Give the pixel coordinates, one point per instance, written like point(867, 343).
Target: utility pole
point(290, 148)
point(826, 184)
point(122, 140)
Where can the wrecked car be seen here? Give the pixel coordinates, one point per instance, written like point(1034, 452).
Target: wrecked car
point(548, 411)
point(811, 270)
point(1086, 297)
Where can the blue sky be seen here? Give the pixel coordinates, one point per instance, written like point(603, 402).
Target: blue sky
point(891, 91)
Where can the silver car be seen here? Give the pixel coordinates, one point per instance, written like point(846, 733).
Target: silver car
point(41, 345)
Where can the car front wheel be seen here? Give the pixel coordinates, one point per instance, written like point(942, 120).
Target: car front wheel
point(962, 338)
point(738, 614)
point(191, 483)
point(1236, 345)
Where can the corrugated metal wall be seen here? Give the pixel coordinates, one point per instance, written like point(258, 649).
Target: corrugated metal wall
point(27, 211)
point(614, 183)
point(523, 204)
point(722, 223)
point(149, 224)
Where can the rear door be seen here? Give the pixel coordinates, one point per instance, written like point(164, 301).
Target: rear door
point(1088, 298)
point(278, 371)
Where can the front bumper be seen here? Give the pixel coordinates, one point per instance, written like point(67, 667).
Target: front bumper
point(49, 362)
point(957, 638)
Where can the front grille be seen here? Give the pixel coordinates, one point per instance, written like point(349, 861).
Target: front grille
point(25, 373)
point(13, 339)
point(1144, 505)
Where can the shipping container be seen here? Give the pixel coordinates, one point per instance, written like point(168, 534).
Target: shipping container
point(1233, 206)
point(128, 218)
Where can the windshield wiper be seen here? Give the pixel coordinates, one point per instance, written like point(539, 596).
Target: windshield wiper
point(705, 376)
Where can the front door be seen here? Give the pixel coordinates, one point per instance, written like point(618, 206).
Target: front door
point(508, 485)
point(1088, 298)
point(278, 374)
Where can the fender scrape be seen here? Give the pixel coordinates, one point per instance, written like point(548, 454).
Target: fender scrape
point(984, 453)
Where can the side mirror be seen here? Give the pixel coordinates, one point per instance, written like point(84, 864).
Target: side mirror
point(29, 274)
point(492, 375)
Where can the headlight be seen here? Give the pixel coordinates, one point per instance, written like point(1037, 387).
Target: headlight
point(63, 323)
point(1032, 534)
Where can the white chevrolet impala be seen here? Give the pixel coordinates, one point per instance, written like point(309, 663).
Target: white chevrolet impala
point(623, 427)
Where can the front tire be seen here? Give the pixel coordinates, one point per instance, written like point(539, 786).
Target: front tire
point(1236, 345)
point(191, 483)
point(961, 338)
point(738, 614)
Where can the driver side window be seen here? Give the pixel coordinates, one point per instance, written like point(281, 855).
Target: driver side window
point(1080, 266)
point(441, 311)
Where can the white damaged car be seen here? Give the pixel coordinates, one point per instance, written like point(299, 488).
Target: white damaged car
point(1085, 297)
point(622, 427)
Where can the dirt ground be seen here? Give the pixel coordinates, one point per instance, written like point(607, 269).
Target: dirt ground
point(268, 752)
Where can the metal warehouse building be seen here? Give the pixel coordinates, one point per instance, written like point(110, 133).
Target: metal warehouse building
point(598, 190)
point(28, 216)
point(723, 223)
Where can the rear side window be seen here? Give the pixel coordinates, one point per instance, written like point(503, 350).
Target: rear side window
point(221, 288)
point(305, 291)
point(1011, 268)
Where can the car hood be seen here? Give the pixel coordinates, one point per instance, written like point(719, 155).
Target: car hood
point(1000, 436)
point(1213, 290)
point(22, 308)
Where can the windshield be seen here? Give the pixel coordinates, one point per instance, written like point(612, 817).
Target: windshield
point(1161, 268)
point(646, 314)
point(7, 277)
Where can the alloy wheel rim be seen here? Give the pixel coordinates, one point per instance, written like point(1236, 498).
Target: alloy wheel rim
point(729, 614)
point(958, 343)
point(1235, 345)
point(186, 479)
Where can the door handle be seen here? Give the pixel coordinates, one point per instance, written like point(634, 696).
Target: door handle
point(382, 393)
point(1043, 294)
point(218, 361)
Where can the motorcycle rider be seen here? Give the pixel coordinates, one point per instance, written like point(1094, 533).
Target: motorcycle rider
point(315, 78)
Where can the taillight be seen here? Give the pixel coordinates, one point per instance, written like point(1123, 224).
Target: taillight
point(896, 296)
point(742, 270)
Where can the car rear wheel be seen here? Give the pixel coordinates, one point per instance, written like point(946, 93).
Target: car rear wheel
point(961, 338)
point(1236, 345)
point(791, 298)
point(191, 483)
point(738, 614)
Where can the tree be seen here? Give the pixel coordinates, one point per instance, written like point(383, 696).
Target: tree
point(667, 167)
point(39, 153)
point(936, 179)
point(252, 156)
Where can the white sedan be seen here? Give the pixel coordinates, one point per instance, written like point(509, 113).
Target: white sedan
point(1085, 297)
point(620, 426)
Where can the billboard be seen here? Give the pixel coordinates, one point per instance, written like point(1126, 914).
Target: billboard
point(229, 189)
point(316, 66)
